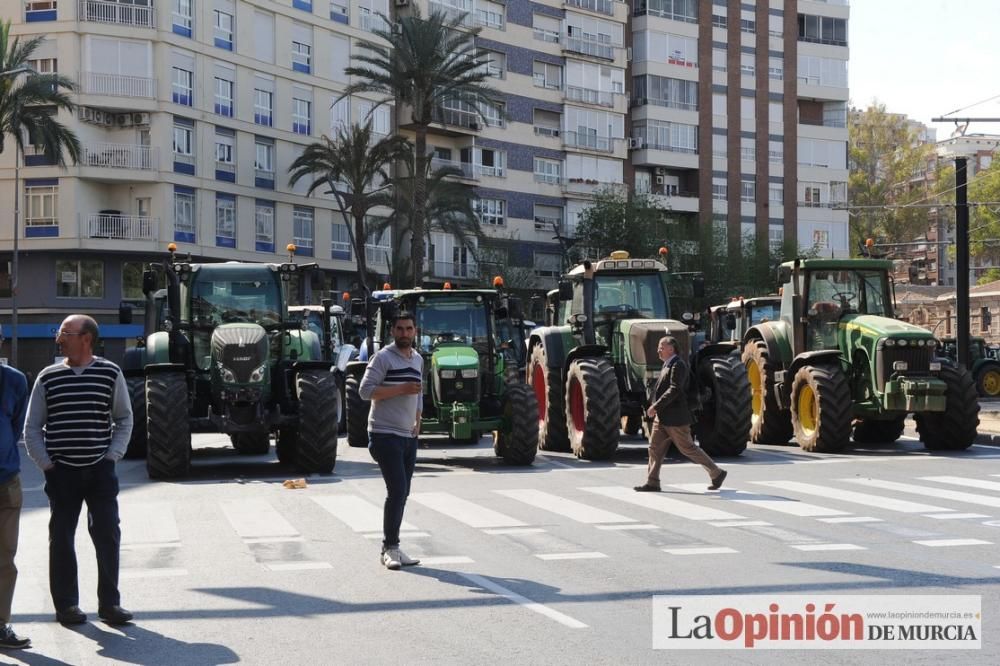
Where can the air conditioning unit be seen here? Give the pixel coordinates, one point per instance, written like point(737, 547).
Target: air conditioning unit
point(123, 119)
point(635, 142)
point(86, 114)
point(473, 125)
point(659, 180)
point(140, 118)
point(628, 54)
point(100, 117)
point(660, 171)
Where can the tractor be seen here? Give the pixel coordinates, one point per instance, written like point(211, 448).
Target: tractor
point(471, 380)
point(731, 321)
point(983, 363)
point(836, 364)
point(593, 364)
point(220, 355)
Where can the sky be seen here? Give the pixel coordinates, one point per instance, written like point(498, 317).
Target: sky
point(926, 58)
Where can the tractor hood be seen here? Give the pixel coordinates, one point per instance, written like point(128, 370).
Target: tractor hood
point(454, 357)
point(240, 353)
point(881, 327)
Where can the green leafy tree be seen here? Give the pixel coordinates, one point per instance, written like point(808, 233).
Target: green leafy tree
point(428, 62)
point(887, 164)
point(354, 168)
point(26, 101)
point(618, 220)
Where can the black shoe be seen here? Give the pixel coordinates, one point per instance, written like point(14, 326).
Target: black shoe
point(717, 481)
point(114, 615)
point(646, 488)
point(70, 615)
point(11, 641)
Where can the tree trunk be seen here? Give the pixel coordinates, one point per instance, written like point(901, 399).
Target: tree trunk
point(360, 239)
point(419, 206)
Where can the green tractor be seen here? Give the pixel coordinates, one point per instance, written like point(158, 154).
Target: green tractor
point(220, 355)
point(985, 366)
point(731, 321)
point(471, 385)
point(837, 365)
point(593, 364)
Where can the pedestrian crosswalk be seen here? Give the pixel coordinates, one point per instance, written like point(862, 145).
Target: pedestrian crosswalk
point(563, 524)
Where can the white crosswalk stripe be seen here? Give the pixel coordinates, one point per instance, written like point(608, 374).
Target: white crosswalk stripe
point(470, 513)
point(964, 481)
point(577, 511)
point(928, 491)
point(664, 504)
point(357, 513)
point(875, 501)
point(256, 518)
point(149, 523)
point(769, 502)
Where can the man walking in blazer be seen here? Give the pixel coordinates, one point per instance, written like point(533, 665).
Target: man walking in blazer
point(672, 420)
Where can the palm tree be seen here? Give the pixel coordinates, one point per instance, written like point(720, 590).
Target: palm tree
point(354, 168)
point(427, 63)
point(26, 103)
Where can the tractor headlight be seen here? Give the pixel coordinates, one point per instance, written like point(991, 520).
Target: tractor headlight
point(932, 343)
point(227, 374)
point(470, 373)
point(900, 366)
point(890, 343)
point(902, 343)
point(447, 374)
point(935, 366)
point(258, 374)
point(921, 343)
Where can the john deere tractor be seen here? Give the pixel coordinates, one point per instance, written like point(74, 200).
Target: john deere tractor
point(985, 368)
point(836, 364)
point(471, 385)
point(222, 357)
point(593, 364)
point(731, 321)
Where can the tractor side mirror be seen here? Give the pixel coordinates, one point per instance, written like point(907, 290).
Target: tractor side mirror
point(731, 321)
point(565, 290)
point(698, 286)
point(148, 281)
point(124, 313)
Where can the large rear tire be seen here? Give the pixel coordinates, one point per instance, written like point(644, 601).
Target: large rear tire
point(769, 424)
point(593, 412)
point(548, 390)
point(954, 429)
point(137, 396)
point(723, 425)
point(319, 414)
point(518, 445)
point(877, 432)
point(168, 445)
point(821, 408)
point(357, 414)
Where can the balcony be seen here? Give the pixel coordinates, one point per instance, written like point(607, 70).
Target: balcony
point(460, 118)
point(453, 269)
point(589, 47)
point(453, 12)
point(377, 255)
point(465, 168)
point(587, 186)
point(117, 85)
point(120, 156)
point(121, 227)
point(372, 22)
point(590, 96)
point(117, 13)
point(598, 6)
point(603, 144)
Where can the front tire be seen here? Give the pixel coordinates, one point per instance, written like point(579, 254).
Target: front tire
point(519, 444)
point(357, 414)
point(548, 389)
point(954, 429)
point(821, 408)
point(723, 426)
point(137, 396)
point(168, 445)
point(593, 411)
point(319, 414)
point(988, 380)
point(769, 424)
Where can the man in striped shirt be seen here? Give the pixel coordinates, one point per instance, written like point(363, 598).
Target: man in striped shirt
point(78, 426)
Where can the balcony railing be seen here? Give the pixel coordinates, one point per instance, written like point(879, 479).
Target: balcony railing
point(118, 85)
point(120, 156)
point(461, 118)
point(451, 11)
point(669, 103)
point(377, 255)
point(590, 47)
point(372, 22)
point(604, 144)
point(118, 13)
point(599, 6)
point(589, 186)
point(121, 227)
point(542, 130)
point(590, 96)
point(549, 178)
point(465, 167)
point(453, 269)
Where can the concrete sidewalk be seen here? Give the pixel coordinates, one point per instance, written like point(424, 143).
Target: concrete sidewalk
point(989, 422)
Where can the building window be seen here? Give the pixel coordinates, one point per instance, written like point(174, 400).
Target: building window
point(184, 160)
point(490, 162)
point(491, 211)
point(301, 116)
point(182, 86)
point(776, 193)
point(546, 28)
point(303, 231)
point(132, 281)
point(490, 14)
point(340, 244)
point(985, 319)
point(79, 279)
point(822, 30)
point(263, 106)
point(339, 11)
point(224, 97)
point(720, 21)
point(225, 220)
point(184, 219)
point(548, 218)
point(224, 30)
point(494, 114)
point(41, 204)
point(776, 238)
point(225, 154)
point(40, 10)
point(548, 171)
point(264, 162)
point(183, 17)
point(5, 279)
point(548, 264)
point(301, 57)
point(720, 190)
point(748, 191)
point(264, 225)
point(776, 68)
point(547, 75)
point(495, 63)
point(811, 197)
point(821, 239)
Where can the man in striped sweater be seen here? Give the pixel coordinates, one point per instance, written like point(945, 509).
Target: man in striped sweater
point(78, 426)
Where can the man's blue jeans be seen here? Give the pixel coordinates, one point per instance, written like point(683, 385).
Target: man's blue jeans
point(396, 457)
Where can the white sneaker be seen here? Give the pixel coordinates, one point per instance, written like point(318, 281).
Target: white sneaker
point(406, 560)
point(391, 559)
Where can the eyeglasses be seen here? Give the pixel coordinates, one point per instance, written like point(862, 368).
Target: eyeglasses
point(63, 333)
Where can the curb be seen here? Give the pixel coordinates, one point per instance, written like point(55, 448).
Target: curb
point(988, 439)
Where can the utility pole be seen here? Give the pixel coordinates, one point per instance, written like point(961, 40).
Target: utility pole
point(962, 261)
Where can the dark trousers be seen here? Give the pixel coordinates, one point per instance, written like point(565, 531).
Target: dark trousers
point(10, 516)
point(396, 457)
point(68, 488)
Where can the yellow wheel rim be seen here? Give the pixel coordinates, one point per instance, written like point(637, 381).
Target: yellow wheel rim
point(808, 409)
point(991, 382)
point(756, 388)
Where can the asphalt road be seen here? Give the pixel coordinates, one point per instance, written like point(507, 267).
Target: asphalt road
point(554, 564)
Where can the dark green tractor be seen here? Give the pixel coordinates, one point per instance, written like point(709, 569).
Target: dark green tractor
point(983, 363)
point(593, 364)
point(220, 355)
point(731, 321)
point(471, 382)
point(837, 365)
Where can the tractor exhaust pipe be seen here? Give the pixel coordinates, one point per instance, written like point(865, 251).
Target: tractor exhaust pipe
point(589, 337)
point(798, 313)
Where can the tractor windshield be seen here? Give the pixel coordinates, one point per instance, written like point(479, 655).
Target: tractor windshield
point(221, 297)
point(631, 294)
point(759, 313)
point(452, 319)
point(848, 291)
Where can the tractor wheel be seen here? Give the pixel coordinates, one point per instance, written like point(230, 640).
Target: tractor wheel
point(168, 443)
point(137, 396)
point(876, 432)
point(285, 444)
point(342, 426)
point(988, 380)
point(769, 424)
point(518, 445)
point(632, 424)
point(548, 389)
point(592, 408)
point(953, 429)
point(723, 425)
point(821, 408)
point(357, 414)
point(251, 443)
point(319, 413)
